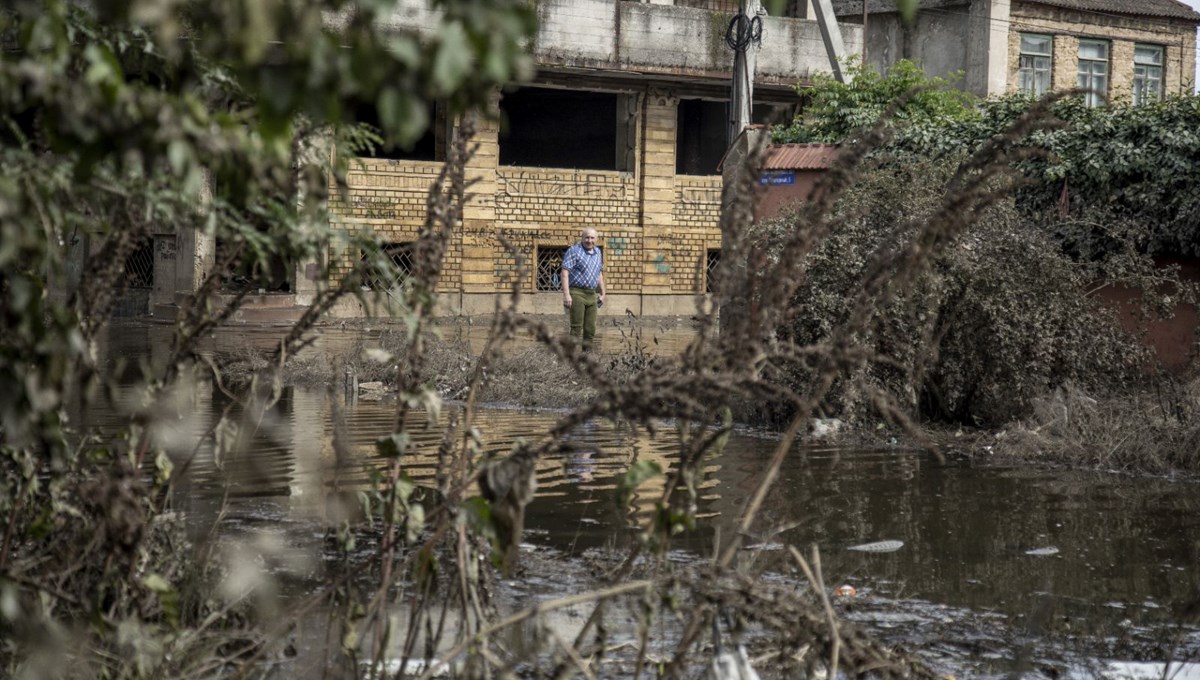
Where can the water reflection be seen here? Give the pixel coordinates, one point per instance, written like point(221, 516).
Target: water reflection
point(1070, 553)
point(976, 538)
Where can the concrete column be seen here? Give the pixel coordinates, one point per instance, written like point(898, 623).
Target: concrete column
point(831, 34)
point(657, 184)
point(479, 217)
point(988, 47)
point(165, 270)
point(196, 250)
point(309, 275)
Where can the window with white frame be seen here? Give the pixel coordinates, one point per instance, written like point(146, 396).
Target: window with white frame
point(1093, 71)
point(1147, 73)
point(1033, 70)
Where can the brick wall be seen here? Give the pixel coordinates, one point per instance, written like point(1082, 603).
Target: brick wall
point(655, 228)
point(1178, 38)
point(697, 229)
point(387, 198)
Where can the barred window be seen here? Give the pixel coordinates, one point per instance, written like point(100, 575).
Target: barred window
point(1147, 73)
point(389, 267)
point(139, 265)
point(549, 267)
point(712, 261)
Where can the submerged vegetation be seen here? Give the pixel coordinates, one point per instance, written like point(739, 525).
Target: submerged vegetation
point(120, 117)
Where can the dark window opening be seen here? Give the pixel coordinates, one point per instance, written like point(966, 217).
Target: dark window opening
point(547, 128)
point(773, 113)
point(429, 147)
point(700, 137)
point(797, 9)
point(702, 133)
point(389, 267)
point(549, 267)
point(139, 266)
point(711, 262)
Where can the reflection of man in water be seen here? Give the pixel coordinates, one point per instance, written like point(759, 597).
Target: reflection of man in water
point(582, 454)
point(580, 465)
point(583, 284)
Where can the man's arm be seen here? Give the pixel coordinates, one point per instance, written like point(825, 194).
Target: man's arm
point(566, 287)
point(600, 285)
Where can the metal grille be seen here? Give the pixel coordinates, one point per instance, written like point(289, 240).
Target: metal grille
point(712, 261)
point(389, 268)
point(549, 267)
point(139, 266)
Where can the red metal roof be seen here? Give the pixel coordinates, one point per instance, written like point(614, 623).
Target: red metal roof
point(799, 156)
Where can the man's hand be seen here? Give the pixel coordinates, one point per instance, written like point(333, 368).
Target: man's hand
point(567, 301)
point(601, 299)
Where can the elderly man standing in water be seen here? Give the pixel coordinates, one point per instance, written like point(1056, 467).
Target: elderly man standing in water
point(583, 284)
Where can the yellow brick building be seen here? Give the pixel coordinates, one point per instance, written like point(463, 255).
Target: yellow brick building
point(1119, 49)
point(622, 130)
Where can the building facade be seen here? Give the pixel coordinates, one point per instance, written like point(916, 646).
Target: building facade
point(622, 130)
point(1118, 50)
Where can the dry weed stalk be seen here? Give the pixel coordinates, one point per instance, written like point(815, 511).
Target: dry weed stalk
point(719, 369)
point(441, 575)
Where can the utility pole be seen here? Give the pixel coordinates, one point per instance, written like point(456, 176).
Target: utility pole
point(743, 36)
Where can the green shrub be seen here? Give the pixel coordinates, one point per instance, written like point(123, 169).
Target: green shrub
point(1001, 317)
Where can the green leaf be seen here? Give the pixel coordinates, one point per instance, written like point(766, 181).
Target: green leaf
point(393, 445)
point(103, 66)
point(637, 473)
point(177, 155)
point(168, 597)
point(477, 513)
point(453, 59)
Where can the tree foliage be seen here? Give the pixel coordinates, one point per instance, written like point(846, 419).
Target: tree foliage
point(119, 118)
point(836, 110)
point(1001, 317)
point(1138, 166)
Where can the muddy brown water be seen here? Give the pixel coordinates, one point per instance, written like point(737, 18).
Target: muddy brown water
point(1002, 569)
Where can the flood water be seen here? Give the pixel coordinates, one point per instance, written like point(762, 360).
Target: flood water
point(1012, 566)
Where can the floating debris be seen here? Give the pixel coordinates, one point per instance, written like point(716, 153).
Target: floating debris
point(765, 547)
point(878, 547)
point(1042, 552)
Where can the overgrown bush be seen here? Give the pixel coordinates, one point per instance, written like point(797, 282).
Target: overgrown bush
point(1155, 430)
point(1002, 317)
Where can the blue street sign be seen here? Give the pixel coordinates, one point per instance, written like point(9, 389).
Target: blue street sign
point(774, 178)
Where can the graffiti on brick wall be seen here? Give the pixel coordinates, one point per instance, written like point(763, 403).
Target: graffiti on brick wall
point(366, 180)
point(698, 197)
point(540, 185)
point(374, 207)
point(520, 238)
point(618, 245)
